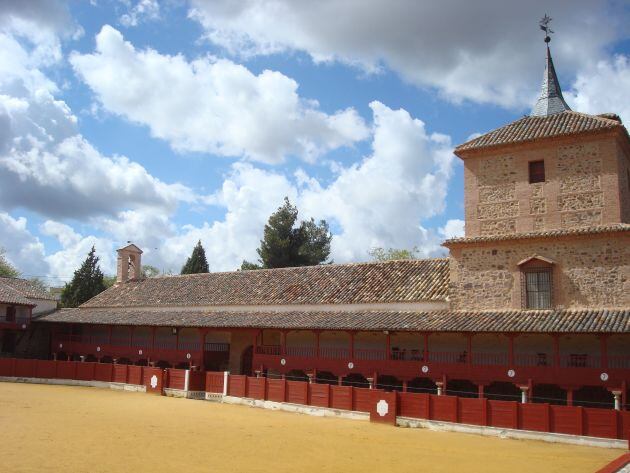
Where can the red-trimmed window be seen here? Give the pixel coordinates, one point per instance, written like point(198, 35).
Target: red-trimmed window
point(536, 172)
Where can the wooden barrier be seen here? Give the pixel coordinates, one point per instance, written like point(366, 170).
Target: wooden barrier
point(256, 388)
point(383, 406)
point(573, 420)
point(196, 381)
point(319, 395)
point(214, 381)
point(297, 392)
point(153, 379)
point(341, 397)
point(276, 390)
point(176, 379)
point(237, 385)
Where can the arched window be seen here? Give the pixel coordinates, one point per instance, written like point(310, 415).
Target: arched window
point(536, 283)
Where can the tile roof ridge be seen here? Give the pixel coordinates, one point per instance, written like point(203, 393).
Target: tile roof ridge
point(289, 268)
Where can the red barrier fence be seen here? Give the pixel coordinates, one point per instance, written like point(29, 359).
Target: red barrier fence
point(595, 422)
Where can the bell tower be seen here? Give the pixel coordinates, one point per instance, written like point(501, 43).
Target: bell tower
point(129, 263)
point(547, 207)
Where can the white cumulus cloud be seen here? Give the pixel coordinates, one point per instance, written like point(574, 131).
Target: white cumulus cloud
point(213, 106)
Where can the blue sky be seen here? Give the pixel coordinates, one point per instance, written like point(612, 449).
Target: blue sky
point(168, 122)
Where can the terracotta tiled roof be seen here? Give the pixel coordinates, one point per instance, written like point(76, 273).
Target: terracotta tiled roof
point(532, 321)
point(8, 295)
point(532, 128)
point(26, 288)
point(613, 228)
point(391, 281)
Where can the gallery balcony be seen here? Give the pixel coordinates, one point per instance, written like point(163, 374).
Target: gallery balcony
point(479, 367)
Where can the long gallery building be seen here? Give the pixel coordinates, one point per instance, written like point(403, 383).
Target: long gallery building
point(533, 303)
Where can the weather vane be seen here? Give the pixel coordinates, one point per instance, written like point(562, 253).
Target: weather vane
point(544, 25)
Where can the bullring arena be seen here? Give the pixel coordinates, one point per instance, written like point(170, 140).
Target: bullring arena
point(77, 429)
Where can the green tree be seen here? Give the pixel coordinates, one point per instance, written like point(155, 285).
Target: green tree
point(197, 263)
point(40, 284)
point(386, 254)
point(7, 270)
point(149, 271)
point(286, 243)
point(86, 283)
point(109, 281)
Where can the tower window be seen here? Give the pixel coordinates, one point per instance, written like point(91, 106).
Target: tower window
point(538, 288)
point(536, 172)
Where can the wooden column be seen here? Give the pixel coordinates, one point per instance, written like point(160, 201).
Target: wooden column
point(388, 345)
point(153, 330)
point(510, 350)
point(603, 343)
point(480, 390)
point(283, 342)
point(177, 339)
point(425, 351)
point(469, 356)
point(317, 334)
point(556, 351)
point(569, 396)
point(109, 334)
point(352, 345)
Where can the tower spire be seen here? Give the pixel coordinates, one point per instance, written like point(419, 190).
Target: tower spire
point(551, 100)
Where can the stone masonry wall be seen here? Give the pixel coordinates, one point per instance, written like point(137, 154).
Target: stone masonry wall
point(581, 188)
point(589, 271)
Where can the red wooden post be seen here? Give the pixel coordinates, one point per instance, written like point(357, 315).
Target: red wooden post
point(425, 351)
point(340, 380)
point(352, 345)
point(480, 389)
point(317, 335)
point(131, 332)
point(569, 396)
point(404, 386)
point(177, 339)
point(603, 342)
point(388, 345)
point(511, 350)
point(469, 348)
point(283, 342)
point(109, 334)
point(556, 351)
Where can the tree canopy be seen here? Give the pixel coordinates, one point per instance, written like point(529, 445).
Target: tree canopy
point(197, 262)
point(386, 254)
point(86, 283)
point(286, 243)
point(7, 270)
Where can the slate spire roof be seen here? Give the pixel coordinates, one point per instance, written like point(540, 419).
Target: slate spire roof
point(551, 100)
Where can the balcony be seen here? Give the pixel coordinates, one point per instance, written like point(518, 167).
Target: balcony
point(477, 366)
point(14, 322)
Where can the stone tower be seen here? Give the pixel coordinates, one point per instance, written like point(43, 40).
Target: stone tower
point(547, 208)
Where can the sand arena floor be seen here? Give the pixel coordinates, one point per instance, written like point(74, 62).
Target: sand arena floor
point(75, 429)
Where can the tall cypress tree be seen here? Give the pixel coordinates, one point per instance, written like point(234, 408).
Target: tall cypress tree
point(86, 283)
point(197, 263)
point(286, 244)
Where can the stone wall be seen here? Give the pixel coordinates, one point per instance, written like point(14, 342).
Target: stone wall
point(582, 187)
point(589, 271)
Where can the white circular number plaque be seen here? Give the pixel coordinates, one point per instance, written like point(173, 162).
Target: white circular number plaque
point(98, 348)
point(511, 373)
point(61, 345)
point(425, 369)
point(188, 355)
point(283, 362)
point(603, 376)
point(154, 381)
point(382, 407)
point(350, 365)
point(139, 352)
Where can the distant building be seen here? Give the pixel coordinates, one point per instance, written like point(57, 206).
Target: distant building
point(534, 301)
point(20, 300)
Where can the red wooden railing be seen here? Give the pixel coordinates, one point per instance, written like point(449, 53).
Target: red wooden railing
point(574, 420)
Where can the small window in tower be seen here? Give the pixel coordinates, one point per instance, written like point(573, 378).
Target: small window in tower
point(538, 288)
point(536, 172)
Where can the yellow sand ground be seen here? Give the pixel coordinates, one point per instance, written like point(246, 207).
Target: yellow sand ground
point(74, 429)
